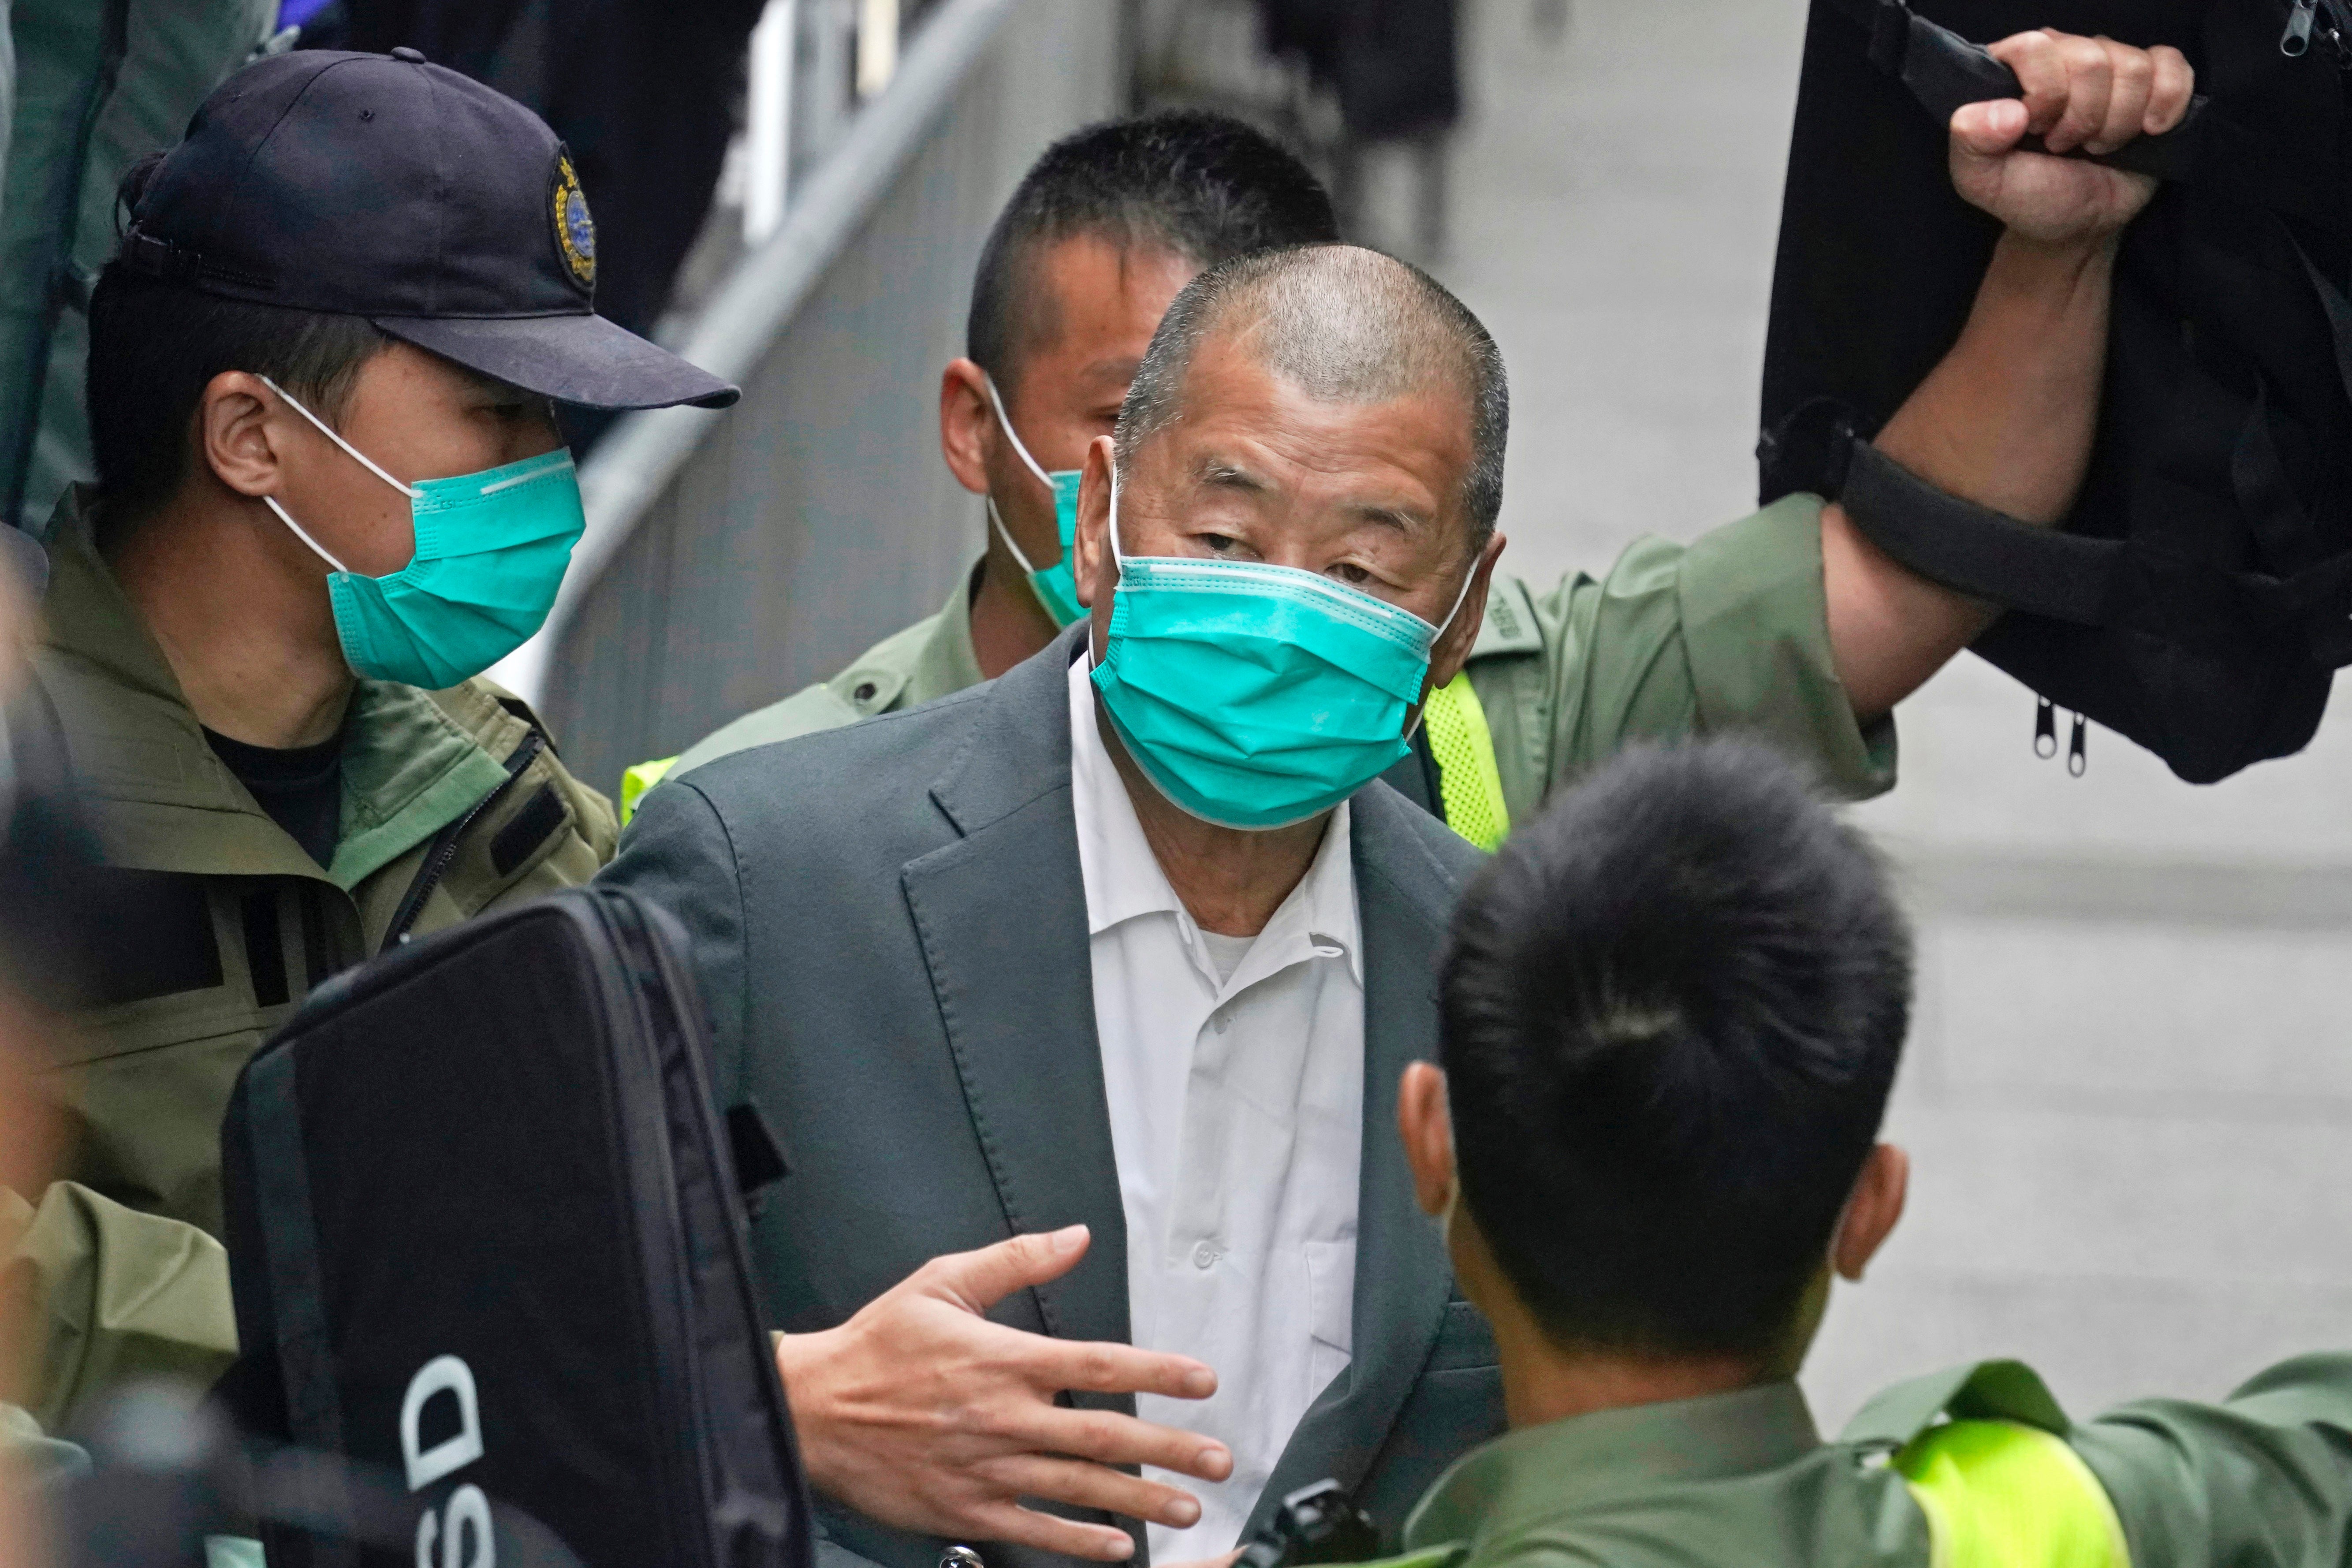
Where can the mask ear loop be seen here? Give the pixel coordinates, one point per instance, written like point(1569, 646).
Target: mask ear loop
point(1422, 717)
point(1013, 436)
point(1467, 578)
point(1004, 533)
point(324, 429)
point(287, 517)
point(1117, 558)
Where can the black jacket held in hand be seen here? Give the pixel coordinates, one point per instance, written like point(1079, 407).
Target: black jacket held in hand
point(2200, 598)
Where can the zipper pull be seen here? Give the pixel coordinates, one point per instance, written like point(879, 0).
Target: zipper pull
point(2077, 748)
point(2336, 22)
point(2298, 38)
point(2045, 729)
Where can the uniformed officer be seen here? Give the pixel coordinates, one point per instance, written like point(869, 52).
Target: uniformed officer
point(1102, 231)
point(330, 491)
point(1671, 1012)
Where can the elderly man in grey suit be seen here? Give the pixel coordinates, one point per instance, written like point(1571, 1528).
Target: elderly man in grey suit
point(1122, 940)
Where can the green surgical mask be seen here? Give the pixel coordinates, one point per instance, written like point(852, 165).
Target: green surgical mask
point(1253, 695)
point(1055, 587)
point(491, 551)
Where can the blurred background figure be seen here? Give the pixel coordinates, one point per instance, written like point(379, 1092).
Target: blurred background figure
point(1361, 86)
point(95, 84)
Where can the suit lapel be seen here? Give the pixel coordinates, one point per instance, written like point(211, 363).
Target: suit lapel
point(1001, 917)
point(1402, 1276)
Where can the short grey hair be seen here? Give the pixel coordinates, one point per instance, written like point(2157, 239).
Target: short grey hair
point(1346, 325)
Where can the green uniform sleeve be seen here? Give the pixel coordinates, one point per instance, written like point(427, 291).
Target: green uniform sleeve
point(116, 1294)
point(2263, 1478)
point(1726, 635)
point(804, 712)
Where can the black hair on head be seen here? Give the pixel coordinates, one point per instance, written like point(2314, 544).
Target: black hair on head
point(155, 345)
point(1672, 1008)
point(1204, 185)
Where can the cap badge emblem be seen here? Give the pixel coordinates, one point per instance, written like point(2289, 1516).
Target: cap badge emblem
point(575, 231)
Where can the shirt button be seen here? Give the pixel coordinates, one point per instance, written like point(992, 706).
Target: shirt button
point(1222, 1020)
point(865, 692)
point(1204, 1256)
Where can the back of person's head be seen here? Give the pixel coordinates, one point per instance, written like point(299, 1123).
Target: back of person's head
point(1203, 185)
point(155, 344)
point(1672, 1008)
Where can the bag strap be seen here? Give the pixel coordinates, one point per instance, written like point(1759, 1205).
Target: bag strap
point(1963, 546)
point(1945, 71)
point(290, 1244)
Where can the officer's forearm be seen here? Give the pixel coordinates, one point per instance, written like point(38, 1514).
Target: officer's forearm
point(2005, 420)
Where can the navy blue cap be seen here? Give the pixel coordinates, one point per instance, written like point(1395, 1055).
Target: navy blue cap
point(384, 186)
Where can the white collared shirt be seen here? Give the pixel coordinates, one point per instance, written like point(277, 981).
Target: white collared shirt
point(1236, 1118)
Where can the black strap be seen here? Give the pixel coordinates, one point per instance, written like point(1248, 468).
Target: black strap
point(1973, 549)
point(2042, 571)
point(1945, 71)
point(289, 1238)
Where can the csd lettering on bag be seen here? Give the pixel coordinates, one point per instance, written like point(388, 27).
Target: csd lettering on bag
point(463, 1527)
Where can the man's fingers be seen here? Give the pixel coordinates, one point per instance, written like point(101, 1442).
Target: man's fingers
point(2094, 94)
point(2090, 81)
point(1108, 1437)
point(1991, 127)
point(1097, 1367)
point(2174, 84)
point(2133, 74)
point(978, 1280)
point(2041, 77)
point(1028, 1527)
point(1081, 1485)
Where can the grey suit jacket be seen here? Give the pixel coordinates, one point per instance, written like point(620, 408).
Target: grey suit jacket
point(889, 927)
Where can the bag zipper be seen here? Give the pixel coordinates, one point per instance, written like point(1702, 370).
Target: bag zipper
point(444, 848)
point(2045, 737)
point(2330, 19)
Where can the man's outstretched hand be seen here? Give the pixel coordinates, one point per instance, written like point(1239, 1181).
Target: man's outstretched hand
point(2088, 95)
point(921, 1414)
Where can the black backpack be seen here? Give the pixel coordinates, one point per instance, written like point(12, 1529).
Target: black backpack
point(486, 1241)
point(2199, 597)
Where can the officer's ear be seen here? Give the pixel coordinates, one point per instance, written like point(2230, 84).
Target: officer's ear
point(1871, 1213)
point(236, 433)
point(965, 424)
point(1426, 1126)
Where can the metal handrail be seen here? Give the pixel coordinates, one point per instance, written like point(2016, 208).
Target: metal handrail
point(643, 452)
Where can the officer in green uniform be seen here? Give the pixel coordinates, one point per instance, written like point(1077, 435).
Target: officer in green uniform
point(331, 492)
point(1102, 231)
point(1671, 1012)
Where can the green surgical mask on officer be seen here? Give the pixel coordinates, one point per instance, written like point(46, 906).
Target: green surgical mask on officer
point(490, 554)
